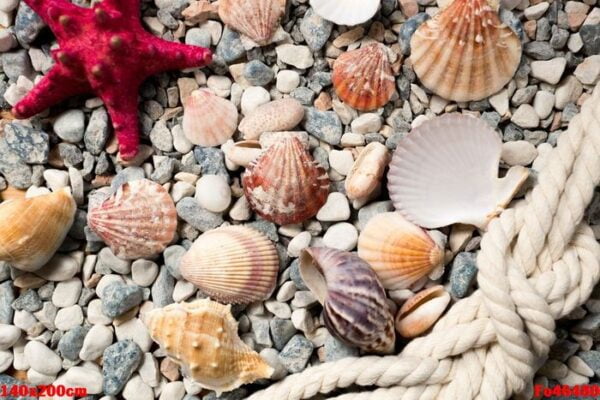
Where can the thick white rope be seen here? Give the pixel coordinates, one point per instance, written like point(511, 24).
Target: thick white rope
point(537, 263)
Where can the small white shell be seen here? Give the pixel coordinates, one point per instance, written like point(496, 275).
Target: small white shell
point(208, 120)
point(346, 12)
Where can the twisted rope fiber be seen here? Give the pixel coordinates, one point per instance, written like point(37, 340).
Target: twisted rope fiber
point(537, 263)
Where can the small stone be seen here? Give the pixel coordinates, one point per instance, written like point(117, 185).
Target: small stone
point(536, 11)
point(254, 97)
point(118, 298)
point(287, 80)
point(543, 103)
point(198, 37)
point(588, 72)
point(298, 56)
point(464, 271)
point(211, 161)
point(95, 314)
point(31, 145)
point(67, 293)
point(164, 171)
point(549, 71)
point(539, 50)
point(324, 125)
point(9, 335)
point(315, 30)
point(68, 318)
point(518, 152)
point(296, 353)
point(590, 36)
point(108, 261)
point(408, 29)
point(162, 289)
point(335, 349)
point(230, 47)
point(559, 38)
point(161, 137)
point(6, 359)
point(15, 171)
point(137, 389)
point(191, 212)
point(70, 125)
point(128, 174)
point(260, 328)
point(172, 391)
point(526, 117)
point(42, 359)
point(85, 377)
point(258, 73)
point(70, 154)
point(336, 208)
point(342, 236)
point(341, 161)
point(568, 91)
point(280, 310)
point(96, 341)
point(367, 212)
point(70, 344)
point(16, 63)
point(183, 291)
point(172, 256)
point(120, 360)
point(592, 359)
point(298, 243)
point(271, 356)
point(28, 301)
point(213, 193)
point(281, 331)
point(500, 102)
point(367, 123)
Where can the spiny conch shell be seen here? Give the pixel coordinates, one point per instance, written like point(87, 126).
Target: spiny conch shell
point(138, 221)
point(354, 303)
point(278, 115)
point(285, 185)
point(202, 337)
point(363, 78)
point(399, 252)
point(32, 229)
point(465, 52)
point(233, 264)
point(208, 120)
point(420, 312)
point(242, 153)
point(257, 19)
point(367, 171)
point(346, 12)
point(446, 171)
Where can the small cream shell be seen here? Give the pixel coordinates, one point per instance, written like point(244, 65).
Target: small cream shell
point(208, 120)
point(242, 153)
point(420, 312)
point(367, 171)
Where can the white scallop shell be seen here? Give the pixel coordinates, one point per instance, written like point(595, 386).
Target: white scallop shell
point(446, 171)
point(346, 12)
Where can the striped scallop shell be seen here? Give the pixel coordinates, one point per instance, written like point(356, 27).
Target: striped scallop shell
point(346, 12)
point(354, 301)
point(400, 252)
point(233, 264)
point(208, 120)
point(421, 312)
point(257, 19)
point(138, 221)
point(363, 78)
point(465, 52)
point(285, 185)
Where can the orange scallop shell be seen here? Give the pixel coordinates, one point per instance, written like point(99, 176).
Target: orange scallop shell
point(257, 19)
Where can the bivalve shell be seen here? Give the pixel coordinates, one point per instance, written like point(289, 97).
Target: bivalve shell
point(242, 153)
point(138, 221)
point(278, 115)
point(400, 252)
point(367, 171)
point(363, 78)
point(208, 120)
point(420, 312)
point(355, 306)
point(285, 185)
point(233, 264)
point(257, 19)
point(32, 229)
point(346, 12)
point(202, 337)
point(465, 52)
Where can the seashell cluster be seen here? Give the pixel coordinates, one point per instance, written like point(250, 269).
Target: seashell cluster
point(346, 12)
point(202, 337)
point(233, 264)
point(457, 180)
point(208, 120)
point(399, 252)
point(32, 229)
point(354, 303)
point(285, 185)
point(420, 312)
point(138, 221)
point(465, 52)
point(367, 171)
point(363, 78)
point(257, 19)
point(278, 115)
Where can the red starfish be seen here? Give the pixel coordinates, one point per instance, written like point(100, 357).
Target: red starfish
point(104, 50)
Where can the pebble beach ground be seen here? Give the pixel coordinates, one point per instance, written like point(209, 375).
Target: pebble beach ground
point(78, 320)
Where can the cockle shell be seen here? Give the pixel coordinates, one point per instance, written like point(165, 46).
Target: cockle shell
point(242, 153)
point(346, 12)
point(138, 221)
point(354, 303)
point(233, 264)
point(278, 115)
point(202, 337)
point(32, 229)
point(400, 252)
point(446, 171)
point(420, 312)
point(257, 19)
point(285, 185)
point(363, 78)
point(367, 171)
point(465, 52)
point(208, 120)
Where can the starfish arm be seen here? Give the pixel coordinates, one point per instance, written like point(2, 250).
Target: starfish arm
point(51, 10)
point(127, 7)
point(122, 106)
point(173, 55)
point(56, 86)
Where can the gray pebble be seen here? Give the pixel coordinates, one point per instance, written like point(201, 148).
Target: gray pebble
point(282, 331)
point(464, 271)
point(9, 382)
point(408, 29)
point(119, 362)
point(266, 227)
point(27, 25)
point(108, 261)
point(394, 139)
point(296, 277)
point(524, 95)
point(161, 137)
point(559, 38)
point(211, 161)
point(230, 46)
point(165, 18)
point(592, 359)
point(45, 292)
point(70, 126)
point(296, 353)
point(70, 154)
point(369, 211)
point(17, 63)
point(562, 349)
point(512, 133)
point(335, 349)
point(28, 301)
point(198, 37)
point(103, 164)
point(543, 30)
point(590, 35)
point(162, 288)
point(492, 118)
point(539, 50)
point(172, 256)
point(31, 145)
point(71, 343)
point(87, 294)
point(118, 298)
point(16, 172)
point(7, 296)
point(304, 95)
point(128, 174)
point(258, 73)
point(4, 271)
point(315, 30)
point(190, 211)
point(97, 131)
point(164, 172)
point(324, 125)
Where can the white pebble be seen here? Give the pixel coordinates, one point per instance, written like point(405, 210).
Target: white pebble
point(303, 320)
point(518, 152)
point(298, 56)
point(213, 193)
point(172, 391)
point(60, 267)
point(67, 293)
point(56, 179)
point(183, 291)
point(526, 117)
point(135, 330)
point(341, 161)
point(253, 98)
point(136, 389)
point(336, 208)
point(9, 334)
point(144, 272)
point(549, 71)
point(68, 318)
point(287, 80)
point(543, 103)
point(286, 291)
point(95, 342)
point(149, 370)
point(6, 359)
point(181, 190)
point(298, 243)
point(37, 378)
point(95, 315)
point(342, 236)
point(366, 123)
point(86, 377)
point(42, 359)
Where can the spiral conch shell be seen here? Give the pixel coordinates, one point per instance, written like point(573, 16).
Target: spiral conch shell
point(202, 337)
point(354, 303)
point(420, 312)
point(257, 19)
point(400, 252)
point(32, 229)
point(232, 264)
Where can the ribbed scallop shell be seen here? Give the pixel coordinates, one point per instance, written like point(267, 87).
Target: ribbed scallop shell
point(233, 264)
point(32, 229)
point(354, 302)
point(257, 19)
point(446, 171)
point(465, 52)
point(367, 171)
point(278, 115)
point(346, 12)
point(208, 120)
point(400, 253)
point(363, 78)
point(202, 337)
point(138, 221)
point(285, 185)
point(421, 312)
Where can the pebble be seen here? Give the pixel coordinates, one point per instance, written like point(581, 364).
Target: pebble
point(282, 331)
point(298, 243)
point(27, 24)
point(211, 161)
point(86, 377)
point(191, 212)
point(67, 293)
point(70, 344)
point(97, 131)
point(42, 359)
point(149, 370)
point(543, 103)
point(294, 356)
point(549, 71)
point(366, 123)
point(172, 391)
point(258, 73)
point(324, 125)
point(590, 36)
point(183, 290)
point(28, 301)
point(144, 272)
point(297, 56)
point(31, 145)
point(230, 46)
point(95, 314)
point(96, 341)
point(568, 91)
point(70, 125)
point(287, 80)
point(341, 161)
point(9, 335)
point(68, 318)
point(526, 117)
point(108, 261)
point(137, 389)
point(118, 298)
point(336, 208)
point(213, 193)
point(16, 63)
point(135, 330)
point(14, 170)
point(315, 30)
point(335, 349)
point(6, 359)
point(254, 97)
point(462, 274)
point(161, 137)
point(408, 29)
point(120, 360)
point(271, 356)
point(518, 152)
point(536, 11)
point(588, 72)
point(56, 179)
point(342, 236)
point(592, 359)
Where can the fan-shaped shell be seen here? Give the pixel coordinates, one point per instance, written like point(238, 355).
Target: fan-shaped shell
point(367, 171)
point(32, 229)
point(363, 78)
point(278, 115)
point(138, 221)
point(346, 12)
point(465, 52)
point(233, 264)
point(257, 19)
point(354, 303)
point(445, 171)
point(420, 312)
point(285, 185)
point(202, 337)
point(400, 253)
point(208, 120)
